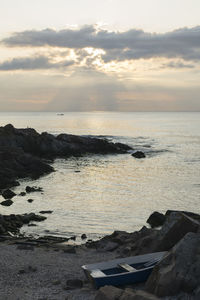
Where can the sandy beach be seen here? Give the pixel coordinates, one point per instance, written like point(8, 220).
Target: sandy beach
point(38, 273)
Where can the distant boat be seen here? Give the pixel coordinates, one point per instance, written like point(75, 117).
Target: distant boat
point(61, 114)
point(122, 271)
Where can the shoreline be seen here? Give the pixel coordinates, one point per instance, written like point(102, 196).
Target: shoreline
point(49, 268)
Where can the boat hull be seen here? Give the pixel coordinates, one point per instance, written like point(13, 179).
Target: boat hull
point(109, 273)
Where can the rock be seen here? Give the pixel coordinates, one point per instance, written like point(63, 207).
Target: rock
point(138, 154)
point(30, 200)
point(25, 247)
point(46, 211)
point(22, 194)
point(187, 213)
point(174, 229)
point(56, 282)
point(7, 203)
point(26, 153)
point(137, 295)
point(70, 249)
point(30, 189)
point(109, 293)
point(73, 238)
point(179, 270)
point(8, 194)
point(83, 236)
point(73, 284)
point(156, 219)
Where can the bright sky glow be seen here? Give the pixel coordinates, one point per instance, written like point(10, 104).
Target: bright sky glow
point(126, 54)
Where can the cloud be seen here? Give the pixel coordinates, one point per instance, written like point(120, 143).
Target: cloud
point(32, 63)
point(131, 44)
point(177, 65)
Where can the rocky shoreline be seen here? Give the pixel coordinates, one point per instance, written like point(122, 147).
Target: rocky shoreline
point(50, 267)
point(177, 276)
point(26, 153)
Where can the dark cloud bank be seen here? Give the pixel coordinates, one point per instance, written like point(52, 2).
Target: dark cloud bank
point(132, 44)
point(31, 63)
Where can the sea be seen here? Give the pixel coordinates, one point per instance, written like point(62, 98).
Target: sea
point(97, 194)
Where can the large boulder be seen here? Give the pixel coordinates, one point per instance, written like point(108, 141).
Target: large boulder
point(109, 293)
point(156, 219)
point(179, 270)
point(174, 229)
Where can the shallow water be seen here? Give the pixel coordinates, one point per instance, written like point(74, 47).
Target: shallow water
point(97, 194)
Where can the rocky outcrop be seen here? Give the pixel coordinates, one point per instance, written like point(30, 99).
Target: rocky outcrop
point(15, 163)
point(12, 223)
point(179, 271)
point(24, 152)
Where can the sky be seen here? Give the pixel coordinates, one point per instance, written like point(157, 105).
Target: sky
point(108, 55)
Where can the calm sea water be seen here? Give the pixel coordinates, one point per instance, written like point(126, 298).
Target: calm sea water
point(114, 191)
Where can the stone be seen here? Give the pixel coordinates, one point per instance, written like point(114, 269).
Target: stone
point(7, 203)
point(30, 189)
point(25, 247)
point(8, 194)
point(22, 194)
point(175, 227)
point(74, 284)
point(30, 200)
point(179, 270)
point(138, 154)
point(109, 292)
point(156, 219)
point(137, 295)
point(70, 249)
point(46, 211)
point(83, 236)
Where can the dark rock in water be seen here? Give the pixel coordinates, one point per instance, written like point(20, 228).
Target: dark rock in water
point(156, 219)
point(12, 223)
point(30, 200)
point(15, 163)
point(83, 236)
point(7, 203)
point(46, 211)
point(31, 189)
point(26, 218)
point(138, 154)
point(8, 194)
point(22, 194)
point(73, 238)
point(179, 270)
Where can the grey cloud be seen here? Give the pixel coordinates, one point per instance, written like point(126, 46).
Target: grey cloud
point(31, 63)
point(132, 44)
point(177, 65)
